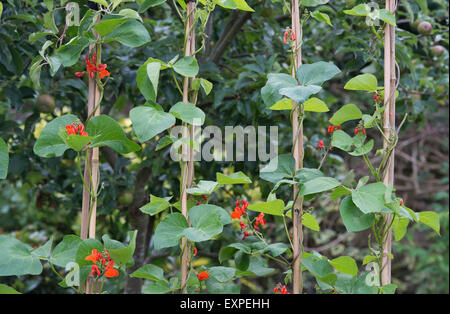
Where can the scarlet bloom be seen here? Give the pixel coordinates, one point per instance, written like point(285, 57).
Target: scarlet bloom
point(239, 210)
point(203, 275)
point(320, 146)
point(79, 129)
point(331, 129)
point(235, 215)
point(283, 290)
point(195, 251)
point(94, 257)
point(95, 270)
point(246, 234)
point(205, 197)
point(79, 74)
point(356, 130)
point(92, 67)
point(260, 220)
point(286, 36)
point(110, 271)
point(339, 127)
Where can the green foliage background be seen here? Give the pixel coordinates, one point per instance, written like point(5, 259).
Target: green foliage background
point(42, 197)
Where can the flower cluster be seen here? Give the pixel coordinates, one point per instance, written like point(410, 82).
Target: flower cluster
point(259, 221)
point(376, 97)
point(282, 290)
point(321, 145)
point(358, 128)
point(292, 36)
point(239, 210)
point(92, 68)
point(103, 264)
point(79, 129)
point(332, 128)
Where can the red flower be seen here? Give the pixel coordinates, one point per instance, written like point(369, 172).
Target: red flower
point(205, 197)
point(339, 127)
point(260, 219)
point(275, 290)
point(356, 130)
point(364, 131)
point(320, 146)
point(235, 215)
point(94, 257)
point(79, 129)
point(286, 34)
point(79, 74)
point(203, 275)
point(331, 129)
point(246, 234)
point(92, 68)
point(110, 271)
point(95, 270)
point(195, 251)
point(284, 290)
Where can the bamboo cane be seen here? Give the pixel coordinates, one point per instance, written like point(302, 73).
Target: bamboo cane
point(185, 169)
point(389, 129)
point(297, 132)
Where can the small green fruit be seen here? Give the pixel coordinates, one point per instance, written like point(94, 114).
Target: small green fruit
point(126, 198)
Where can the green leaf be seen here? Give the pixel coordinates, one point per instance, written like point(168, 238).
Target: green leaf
point(340, 191)
point(307, 174)
point(342, 140)
point(276, 81)
point(242, 260)
point(354, 219)
point(75, 141)
point(226, 253)
point(156, 205)
point(235, 178)
point(431, 219)
point(106, 131)
point(216, 287)
point(389, 288)
point(207, 221)
point(49, 143)
point(149, 121)
point(368, 259)
point(321, 17)
point(4, 289)
point(4, 159)
point(316, 73)
point(43, 252)
point(370, 198)
point(106, 26)
point(275, 249)
point(387, 17)
point(188, 113)
point(315, 104)
point(131, 33)
point(310, 222)
point(70, 52)
point(131, 14)
point(366, 82)
point(283, 104)
point(221, 273)
point(150, 272)
point(318, 185)
point(124, 254)
point(156, 287)
point(300, 94)
point(169, 231)
point(204, 188)
point(346, 113)
point(278, 168)
point(85, 249)
point(186, 66)
point(363, 150)
point(313, 3)
point(400, 226)
point(102, 2)
point(65, 251)
point(345, 264)
point(16, 258)
point(275, 207)
point(145, 5)
point(359, 10)
point(235, 4)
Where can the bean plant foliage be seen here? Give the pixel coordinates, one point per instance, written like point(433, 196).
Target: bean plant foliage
point(116, 76)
